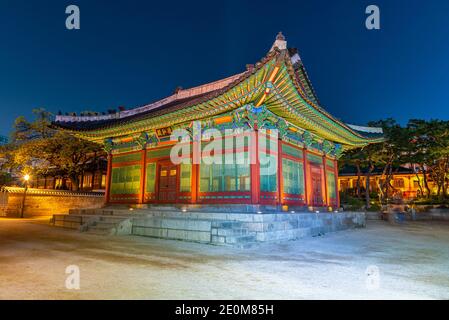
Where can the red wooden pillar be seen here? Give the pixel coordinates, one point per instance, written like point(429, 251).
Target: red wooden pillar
point(337, 186)
point(194, 183)
point(280, 177)
point(143, 174)
point(326, 195)
point(108, 178)
point(307, 180)
point(255, 167)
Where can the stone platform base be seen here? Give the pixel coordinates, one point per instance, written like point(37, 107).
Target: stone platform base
point(234, 228)
point(221, 227)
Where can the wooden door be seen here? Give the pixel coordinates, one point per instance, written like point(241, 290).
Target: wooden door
point(168, 178)
point(317, 192)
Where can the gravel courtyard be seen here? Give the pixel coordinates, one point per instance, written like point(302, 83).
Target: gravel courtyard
point(413, 260)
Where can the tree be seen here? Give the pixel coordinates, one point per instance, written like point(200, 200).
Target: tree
point(354, 157)
point(419, 150)
point(389, 154)
point(40, 128)
point(38, 149)
point(64, 152)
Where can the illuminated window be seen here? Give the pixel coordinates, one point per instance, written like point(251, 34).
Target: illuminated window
point(185, 179)
point(268, 172)
point(293, 176)
point(87, 181)
point(331, 190)
point(103, 181)
point(126, 180)
point(398, 183)
point(226, 176)
point(151, 177)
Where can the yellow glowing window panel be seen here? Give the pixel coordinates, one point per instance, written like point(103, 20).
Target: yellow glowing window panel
point(163, 173)
point(173, 172)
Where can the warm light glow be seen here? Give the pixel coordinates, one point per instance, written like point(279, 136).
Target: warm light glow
point(26, 177)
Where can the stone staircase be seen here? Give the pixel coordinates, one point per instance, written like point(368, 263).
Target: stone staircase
point(113, 225)
point(96, 221)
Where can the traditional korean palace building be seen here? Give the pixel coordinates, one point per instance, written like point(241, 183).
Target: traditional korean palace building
point(275, 94)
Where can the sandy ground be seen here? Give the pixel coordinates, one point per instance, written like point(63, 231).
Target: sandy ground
point(412, 259)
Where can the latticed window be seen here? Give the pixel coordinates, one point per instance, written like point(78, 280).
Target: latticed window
point(126, 180)
point(151, 177)
point(229, 175)
point(268, 148)
point(185, 179)
point(87, 181)
point(293, 176)
point(398, 183)
point(268, 172)
point(331, 190)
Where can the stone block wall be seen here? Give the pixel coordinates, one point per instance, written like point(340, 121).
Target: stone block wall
point(232, 228)
point(46, 202)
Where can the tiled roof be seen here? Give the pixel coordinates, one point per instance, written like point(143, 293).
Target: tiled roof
point(349, 170)
point(297, 102)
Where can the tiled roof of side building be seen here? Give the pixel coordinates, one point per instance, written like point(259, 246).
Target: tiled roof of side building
point(115, 119)
point(350, 170)
point(180, 99)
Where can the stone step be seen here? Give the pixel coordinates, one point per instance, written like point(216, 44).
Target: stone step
point(67, 221)
point(106, 212)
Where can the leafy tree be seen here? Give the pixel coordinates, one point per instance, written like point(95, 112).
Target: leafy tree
point(419, 150)
point(40, 128)
point(38, 149)
point(62, 151)
point(386, 155)
point(354, 157)
point(389, 154)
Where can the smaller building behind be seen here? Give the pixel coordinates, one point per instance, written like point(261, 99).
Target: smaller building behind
point(405, 183)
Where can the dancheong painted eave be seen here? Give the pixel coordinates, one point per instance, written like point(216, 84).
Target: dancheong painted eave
point(279, 81)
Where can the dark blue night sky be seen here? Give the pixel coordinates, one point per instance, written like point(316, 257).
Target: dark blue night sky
point(133, 52)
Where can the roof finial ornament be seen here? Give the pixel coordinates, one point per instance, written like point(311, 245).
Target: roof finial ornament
point(280, 36)
point(280, 42)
